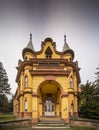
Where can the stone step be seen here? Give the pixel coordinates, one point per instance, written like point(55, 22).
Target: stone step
point(51, 128)
point(49, 118)
point(53, 125)
point(46, 125)
point(52, 122)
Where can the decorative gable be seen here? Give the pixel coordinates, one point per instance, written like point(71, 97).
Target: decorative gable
point(48, 49)
point(48, 53)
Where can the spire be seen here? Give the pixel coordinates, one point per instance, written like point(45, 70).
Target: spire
point(29, 46)
point(30, 36)
point(66, 46)
point(64, 38)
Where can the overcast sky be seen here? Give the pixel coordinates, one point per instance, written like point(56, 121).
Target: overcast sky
point(78, 19)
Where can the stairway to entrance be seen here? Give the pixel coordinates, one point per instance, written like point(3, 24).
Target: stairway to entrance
point(46, 123)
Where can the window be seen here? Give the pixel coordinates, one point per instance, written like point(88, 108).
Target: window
point(71, 82)
point(26, 81)
point(25, 105)
point(72, 109)
point(48, 53)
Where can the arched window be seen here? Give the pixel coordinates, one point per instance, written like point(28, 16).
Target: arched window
point(48, 53)
point(26, 82)
point(25, 105)
point(72, 109)
point(71, 82)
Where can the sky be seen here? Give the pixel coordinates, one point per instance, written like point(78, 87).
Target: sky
point(78, 19)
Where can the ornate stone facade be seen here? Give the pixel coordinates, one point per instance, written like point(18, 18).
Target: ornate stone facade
point(47, 81)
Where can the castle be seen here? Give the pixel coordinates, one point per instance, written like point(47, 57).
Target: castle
point(48, 82)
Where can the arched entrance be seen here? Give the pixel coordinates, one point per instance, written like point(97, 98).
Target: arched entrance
point(49, 99)
point(49, 107)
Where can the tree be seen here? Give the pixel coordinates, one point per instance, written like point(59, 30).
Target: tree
point(97, 82)
point(4, 90)
point(3, 104)
point(87, 91)
point(88, 105)
point(4, 85)
point(10, 105)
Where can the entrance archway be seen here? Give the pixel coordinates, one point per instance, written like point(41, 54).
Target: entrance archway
point(49, 99)
point(49, 107)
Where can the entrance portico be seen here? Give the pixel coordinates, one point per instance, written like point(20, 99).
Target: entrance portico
point(49, 99)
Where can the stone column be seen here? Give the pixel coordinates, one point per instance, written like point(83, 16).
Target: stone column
point(35, 108)
point(76, 106)
point(21, 106)
point(57, 109)
point(40, 109)
point(64, 107)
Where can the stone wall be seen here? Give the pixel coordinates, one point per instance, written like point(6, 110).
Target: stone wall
point(19, 123)
point(85, 122)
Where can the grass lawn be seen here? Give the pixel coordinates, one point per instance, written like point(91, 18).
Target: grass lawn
point(81, 128)
point(7, 117)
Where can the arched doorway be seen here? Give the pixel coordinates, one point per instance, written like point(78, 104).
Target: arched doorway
point(49, 107)
point(49, 99)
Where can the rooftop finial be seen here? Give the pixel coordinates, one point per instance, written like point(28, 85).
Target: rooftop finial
point(30, 36)
point(65, 38)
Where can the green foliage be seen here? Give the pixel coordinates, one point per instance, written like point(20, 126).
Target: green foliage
point(81, 128)
point(87, 91)
point(7, 117)
point(10, 104)
point(5, 105)
point(4, 86)
point(88, 104)
point(97, 82)
point(89, 99)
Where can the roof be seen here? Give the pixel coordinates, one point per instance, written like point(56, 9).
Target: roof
point(66, 47)
point(29, 46)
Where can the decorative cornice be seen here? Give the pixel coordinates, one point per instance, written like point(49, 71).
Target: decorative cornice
point(34, 94)
point(50, 69)
point(50, 72)
point(50, 77)
point(64, 94)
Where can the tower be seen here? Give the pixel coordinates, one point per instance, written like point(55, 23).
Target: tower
point(47, 81)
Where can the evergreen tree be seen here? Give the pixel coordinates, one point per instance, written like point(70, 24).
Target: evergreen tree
point(10, 105)
point(4, 85)
point(3, 104)
point(88, 105)
point(97, 82)
point(4, 90)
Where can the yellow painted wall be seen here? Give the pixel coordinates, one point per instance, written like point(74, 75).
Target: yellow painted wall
point(21, 104)
point(35, 102)
point(37, 80)
point(67, 56)
point(64, 107)
point(48, 44)
point(28, 55)
point(63, 81)
point(34, 107)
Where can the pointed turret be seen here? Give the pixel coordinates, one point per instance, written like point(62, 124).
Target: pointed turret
point(66, 46)
point(67, 49)
point(29, 47)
